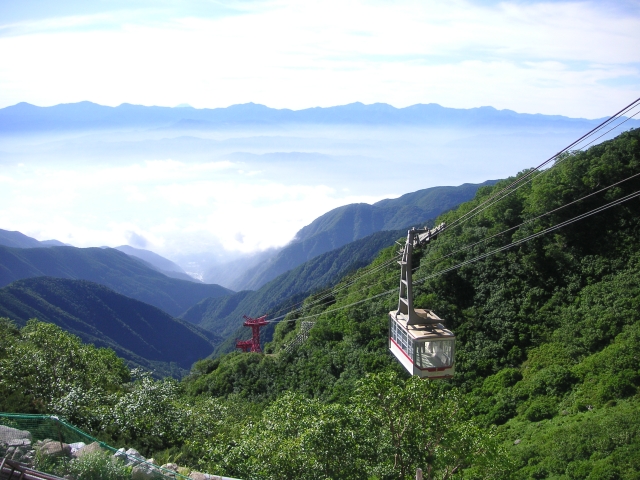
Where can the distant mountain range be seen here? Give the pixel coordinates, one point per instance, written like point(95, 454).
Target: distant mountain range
point(348, 223)
point(142, 334)
point(27, 118)
point(107, 266)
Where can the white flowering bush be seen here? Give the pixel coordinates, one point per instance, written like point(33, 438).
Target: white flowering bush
point(59, 374)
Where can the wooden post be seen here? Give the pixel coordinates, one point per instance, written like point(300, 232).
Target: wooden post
point(419, 474)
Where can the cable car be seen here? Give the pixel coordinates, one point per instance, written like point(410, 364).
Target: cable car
point(417, 337)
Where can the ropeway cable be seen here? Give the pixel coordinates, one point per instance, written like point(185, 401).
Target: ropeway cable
point(535, 235)
point(467, 247)
point(506, 191)
point(482, 256)
point(509, 188)
point(626, 110)
point(330, 292)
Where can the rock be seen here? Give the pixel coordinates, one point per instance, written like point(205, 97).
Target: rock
point(18, 442)
point(198, 476)
point(170, 466)
point(516, 442)
point(55, 448)
point(7, 434)
point(121, 455)
point(146, 471)
point(76, 446)
point(133, 457)
point(91, 448)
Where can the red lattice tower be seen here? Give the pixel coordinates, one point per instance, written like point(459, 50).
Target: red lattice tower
point(252, 345)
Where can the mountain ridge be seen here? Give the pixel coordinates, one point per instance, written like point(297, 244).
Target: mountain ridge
point(88, 116)
point(112, 268)
point(141, 333)
point(352, 222)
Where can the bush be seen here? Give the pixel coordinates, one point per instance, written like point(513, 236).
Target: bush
point(98, 466)
point(540, 409)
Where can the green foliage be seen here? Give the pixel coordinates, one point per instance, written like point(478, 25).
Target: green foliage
point(98, 466)
point(144, 335)
point(52, 370)
point(388, 429)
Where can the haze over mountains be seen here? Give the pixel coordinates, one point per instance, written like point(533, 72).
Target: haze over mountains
point(281, 202)
point(211, 188)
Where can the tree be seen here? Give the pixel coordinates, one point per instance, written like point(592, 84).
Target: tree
point(423, 424)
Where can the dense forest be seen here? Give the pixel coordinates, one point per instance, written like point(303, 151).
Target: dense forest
point(547, 369)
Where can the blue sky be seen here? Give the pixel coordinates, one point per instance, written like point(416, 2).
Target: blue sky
point(570, 58)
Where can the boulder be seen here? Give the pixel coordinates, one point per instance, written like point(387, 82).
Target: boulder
point(170, 466)
point(19, 442)
point(146, 471)
point(121, 454)
point(199, 476)
point(91, 448)
point(7, 434)
point(133, 457)
point(53, 448)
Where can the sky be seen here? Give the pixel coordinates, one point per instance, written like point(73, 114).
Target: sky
point(572, 58)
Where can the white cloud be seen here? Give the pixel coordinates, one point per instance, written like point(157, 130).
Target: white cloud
point(168, 203)
point(301, 54)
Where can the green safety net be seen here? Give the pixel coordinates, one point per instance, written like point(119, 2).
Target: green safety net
point(43, 427)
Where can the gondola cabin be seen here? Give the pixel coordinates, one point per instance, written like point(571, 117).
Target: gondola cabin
point(427, 349)
point(417, 337)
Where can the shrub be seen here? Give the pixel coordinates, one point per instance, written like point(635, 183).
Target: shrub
point(99, 466)
point(540, 409)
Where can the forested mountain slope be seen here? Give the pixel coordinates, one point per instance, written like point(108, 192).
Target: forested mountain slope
point(349, 223)
point(223, 315)
point(140, 333)
point(108, 267)
point(547, 330)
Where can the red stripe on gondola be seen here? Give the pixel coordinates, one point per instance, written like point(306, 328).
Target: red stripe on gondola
point(428, 369)
point(405, 354)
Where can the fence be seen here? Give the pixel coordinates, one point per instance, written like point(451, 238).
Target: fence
point(43, 427)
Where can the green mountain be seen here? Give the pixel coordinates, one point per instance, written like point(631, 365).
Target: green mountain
point(548, 330)
point(346, 224)
point(142, 334)
point(109, 267)
point(223, 315)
